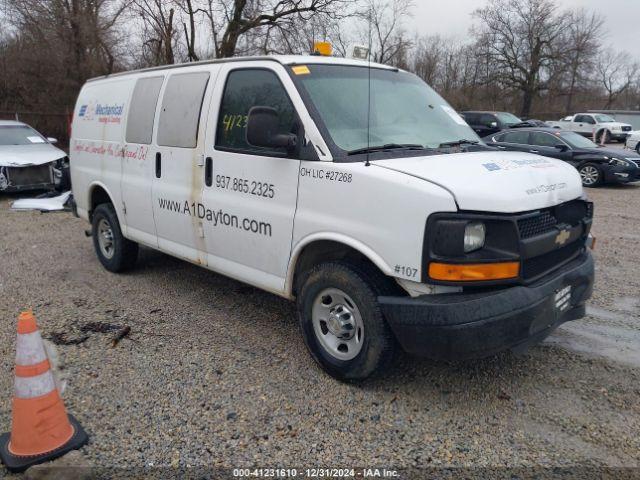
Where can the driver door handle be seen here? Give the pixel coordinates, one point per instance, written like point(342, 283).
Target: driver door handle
point(534, 151)
point(158, 164)
point(208, 171)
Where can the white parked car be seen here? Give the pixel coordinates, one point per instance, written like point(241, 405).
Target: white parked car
point(29, 161)
point(387, 222)
point(594, 124)
point(633, 141)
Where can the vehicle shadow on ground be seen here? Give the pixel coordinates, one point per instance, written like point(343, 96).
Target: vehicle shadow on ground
point(404, 373)
point(618, 186)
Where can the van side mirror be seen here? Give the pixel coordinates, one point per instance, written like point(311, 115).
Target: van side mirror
point(52, 140)
point(262, 130)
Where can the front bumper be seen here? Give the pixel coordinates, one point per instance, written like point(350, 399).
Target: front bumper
point(28, 178)
point(460, 326)
point(620, 136)
point(616, 174)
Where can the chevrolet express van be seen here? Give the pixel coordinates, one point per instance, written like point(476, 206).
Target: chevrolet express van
point(351, 188)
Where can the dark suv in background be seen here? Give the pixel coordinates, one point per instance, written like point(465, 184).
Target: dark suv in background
point(488, 123)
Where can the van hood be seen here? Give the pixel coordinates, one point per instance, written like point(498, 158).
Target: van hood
point(25, 155)
point(500, 182)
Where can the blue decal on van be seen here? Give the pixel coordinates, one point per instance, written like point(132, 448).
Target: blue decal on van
point(492, 167)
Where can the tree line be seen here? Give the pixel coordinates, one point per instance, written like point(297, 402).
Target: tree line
point(530, 57)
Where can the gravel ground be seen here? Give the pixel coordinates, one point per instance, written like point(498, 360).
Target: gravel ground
point(215, 373)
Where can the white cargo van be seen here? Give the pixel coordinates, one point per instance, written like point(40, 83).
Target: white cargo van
point(386, 220)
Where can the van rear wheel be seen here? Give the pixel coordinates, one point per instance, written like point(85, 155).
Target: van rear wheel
point(115, 252)
point(342, 323)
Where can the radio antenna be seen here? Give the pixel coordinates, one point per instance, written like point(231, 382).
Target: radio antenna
point(367, 163)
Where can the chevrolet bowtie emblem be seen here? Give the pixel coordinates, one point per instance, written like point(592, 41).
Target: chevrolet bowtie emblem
point(562, 237)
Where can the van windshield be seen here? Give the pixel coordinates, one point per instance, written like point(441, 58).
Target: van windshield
point(404, 110)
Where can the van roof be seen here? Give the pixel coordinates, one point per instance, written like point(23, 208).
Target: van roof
point(282, 59)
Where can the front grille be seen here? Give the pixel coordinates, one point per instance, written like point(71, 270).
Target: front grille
point(537, 225)
point(33, 175)
point(549, 220)
point(536, 266)
point(544, 221)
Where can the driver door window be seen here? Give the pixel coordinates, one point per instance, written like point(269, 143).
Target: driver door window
point(246, 89)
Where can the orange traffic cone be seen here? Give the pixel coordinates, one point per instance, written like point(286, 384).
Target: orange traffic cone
point(41, 430)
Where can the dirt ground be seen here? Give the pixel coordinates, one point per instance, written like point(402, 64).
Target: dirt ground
point(215, 373)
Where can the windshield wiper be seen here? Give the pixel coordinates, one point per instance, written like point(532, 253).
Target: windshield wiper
point(457, 143)
point(388, 146)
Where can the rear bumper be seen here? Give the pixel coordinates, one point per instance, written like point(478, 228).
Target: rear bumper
point(475, 325)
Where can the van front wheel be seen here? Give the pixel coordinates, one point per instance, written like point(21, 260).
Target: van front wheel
point(342, 323)
point(115, 252)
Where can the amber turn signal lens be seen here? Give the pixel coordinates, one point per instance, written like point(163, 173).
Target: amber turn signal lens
point(476, 272)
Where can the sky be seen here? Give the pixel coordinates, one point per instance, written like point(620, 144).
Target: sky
point(452, 18)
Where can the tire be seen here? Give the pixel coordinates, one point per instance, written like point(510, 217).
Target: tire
point(638, 148)
point(591, 175)
point(342, 292)
point(115, 252)
point(607, 137)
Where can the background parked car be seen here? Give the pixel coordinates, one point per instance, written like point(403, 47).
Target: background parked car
point(597, 165)
point(532, 122)
point(29, 161)
point(488, 123)
point(587, 123)
point(633, 141)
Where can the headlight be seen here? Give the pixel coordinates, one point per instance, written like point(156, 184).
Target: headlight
point(474, 235)
point(619, 162)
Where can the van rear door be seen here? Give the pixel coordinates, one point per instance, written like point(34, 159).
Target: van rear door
point(138, 161)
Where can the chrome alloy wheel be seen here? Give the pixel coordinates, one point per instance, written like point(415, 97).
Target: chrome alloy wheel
point(589, 175)
point(105, 238)
point(337, 324)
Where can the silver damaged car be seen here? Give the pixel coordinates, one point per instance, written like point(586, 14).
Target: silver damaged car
point(29, 161)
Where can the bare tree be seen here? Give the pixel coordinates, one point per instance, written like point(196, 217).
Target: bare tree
point(521, 36)
point(159, 33)
point(80, 34)
point(616, 75)
point(188, 8)
point(581, 45)
point(243, 17)
point(384, 27)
